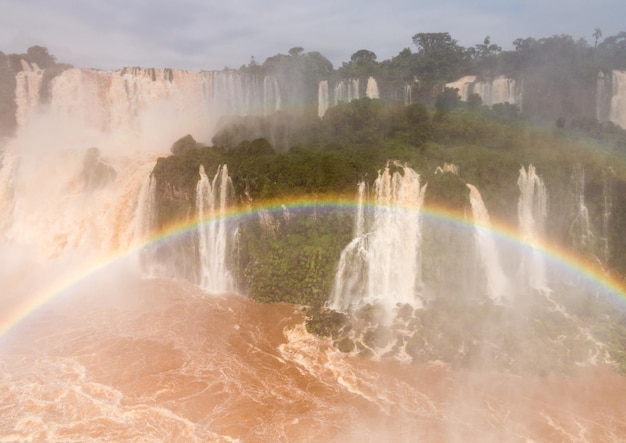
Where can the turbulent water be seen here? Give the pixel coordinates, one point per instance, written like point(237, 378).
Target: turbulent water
point(160, 360)
point(95, 347)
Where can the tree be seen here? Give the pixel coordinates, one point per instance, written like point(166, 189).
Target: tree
point(487, 48)
point(363, 56)
point(362, 64)
point(40, 56)
point(447, 100)
point(439, 59)
point(474, 101)
point(434, 44)
point(613, 52)
point(597, 33)
point(295, 51)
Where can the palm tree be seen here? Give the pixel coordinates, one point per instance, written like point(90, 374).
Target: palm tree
point(597, 33)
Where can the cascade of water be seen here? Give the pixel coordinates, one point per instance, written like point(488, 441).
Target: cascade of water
point(211, 205)
point(346, 91)
point(67, 197)
point(372, 88)
point(234, 93)
point(464, 85)
point(130, 101)
point(607, 208)
point(145, 223)
point(408, 95)
point(532, 212)
point(59, 199)
point(349, 287)
point(617, 113)
point(498, 286)
point(27, 86)
point(322, 98)
point(580, 232)
point(359, 225)
point(382, 265)
point(146, 211)
point(603, 97)
point(8, 170)
point(499, 90)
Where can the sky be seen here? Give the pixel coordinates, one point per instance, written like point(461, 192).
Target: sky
point(206, 34)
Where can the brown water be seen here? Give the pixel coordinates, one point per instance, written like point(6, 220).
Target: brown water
point(159, 360)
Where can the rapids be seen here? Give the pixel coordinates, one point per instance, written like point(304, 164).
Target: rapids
point(160, 360)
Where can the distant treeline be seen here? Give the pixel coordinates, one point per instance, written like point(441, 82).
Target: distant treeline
point(559, 73)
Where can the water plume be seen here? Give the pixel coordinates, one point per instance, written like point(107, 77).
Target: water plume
point(213, 236)
point(498, 286)
point(382, 264)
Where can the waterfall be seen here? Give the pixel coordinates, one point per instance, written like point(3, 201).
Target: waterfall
point(617, 113)
point(603, 97)
point(55, 201)
point(234, 93)
point(498, 286)
point(580, 233)
point(532, 212)
point(498, 90)
point(464, 85)
point(322, 98)
point(611, 97)
point(145, 223)
point(27, 86)
point(382, 264)
point(351, 272)
point(359, 224)
point(346, 91)
point(146, 210)
point(372, 88)
point(213, 232)
point(408, 95)
point(129, 102)
point(100, 206)
point(607, 209)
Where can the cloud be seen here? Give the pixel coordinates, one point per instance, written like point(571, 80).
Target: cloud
point(198, 34)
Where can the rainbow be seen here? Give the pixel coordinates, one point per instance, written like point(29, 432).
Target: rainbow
point(70, 277)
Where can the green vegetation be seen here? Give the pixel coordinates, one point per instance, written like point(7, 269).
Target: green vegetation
point(290, 255)
point(294, 260)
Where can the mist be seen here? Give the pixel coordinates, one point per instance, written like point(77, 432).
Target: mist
point(205, 256)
